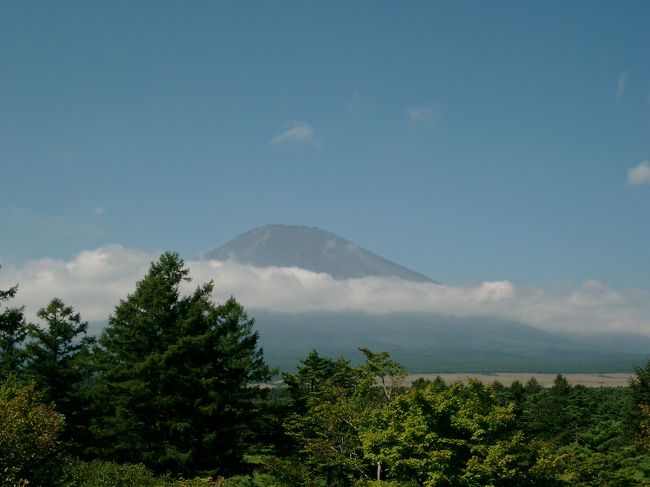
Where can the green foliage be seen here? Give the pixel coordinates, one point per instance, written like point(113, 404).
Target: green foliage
point(13, 330)
point(29, 432)
point(170, 389)
point(584, 435)
point(54, 351)
point(57, 359)
point(547, 412)
point(640, 385)
point(98, 473)
point(327, 432)
point(315, 373)
point(273, 406)
point(457, 436)
point(581, 466)
point(196, 482)
point(334, 402)
point(240, 481)
point(637, 413)
point(290, 472)
point(384, 483)
point(356, 427)
point(173, 374)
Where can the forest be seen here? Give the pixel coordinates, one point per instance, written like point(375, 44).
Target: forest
point(175, 392)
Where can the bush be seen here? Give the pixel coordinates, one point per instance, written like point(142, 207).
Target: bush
point(29, 429)
point(99, 473)
point(384, 483)
point(239, 481)
point(197, 482)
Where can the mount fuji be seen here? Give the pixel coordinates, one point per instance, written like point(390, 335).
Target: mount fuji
point(309, 248)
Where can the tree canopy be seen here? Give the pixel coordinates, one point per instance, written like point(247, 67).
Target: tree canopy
point(13, 331)
point(171, 388)
point(173, 375)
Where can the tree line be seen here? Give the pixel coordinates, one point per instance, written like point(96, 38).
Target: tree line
point(174, 392)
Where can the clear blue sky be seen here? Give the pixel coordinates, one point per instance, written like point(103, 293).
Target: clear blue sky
point(469, 141)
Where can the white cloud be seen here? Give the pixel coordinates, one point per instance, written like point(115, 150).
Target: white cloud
point(92, 282)
point(621, 85)
point(99, 210)
point(423, 114)
point(95, 280)
point(298, 132)
point(640, 174)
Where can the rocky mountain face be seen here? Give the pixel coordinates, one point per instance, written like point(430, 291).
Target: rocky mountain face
point(309, 248)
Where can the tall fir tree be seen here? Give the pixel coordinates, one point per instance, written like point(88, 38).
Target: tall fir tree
point(13, 331)
point(173, 377)
point(57, 359)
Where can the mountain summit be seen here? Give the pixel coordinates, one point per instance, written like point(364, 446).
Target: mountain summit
point(309, 248)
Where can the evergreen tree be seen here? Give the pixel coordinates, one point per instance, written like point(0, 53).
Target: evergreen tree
point(640, 384)
point(57, 359)
point(173, 377)
point(13, 331)
point(312, 375)
point(636, 412)
point(546, 414)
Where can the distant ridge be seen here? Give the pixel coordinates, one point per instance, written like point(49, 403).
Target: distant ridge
point(309, 248)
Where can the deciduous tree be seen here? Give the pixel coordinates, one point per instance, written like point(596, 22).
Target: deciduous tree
point(339, 401)
point(29, 431)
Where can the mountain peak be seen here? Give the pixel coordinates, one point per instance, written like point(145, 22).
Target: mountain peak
point(309, 248)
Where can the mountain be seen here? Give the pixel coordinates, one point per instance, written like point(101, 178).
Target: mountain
point(309, 248)
point(426, 343)
point(423, 342)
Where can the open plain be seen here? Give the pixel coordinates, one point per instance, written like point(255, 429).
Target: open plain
point(587, 380)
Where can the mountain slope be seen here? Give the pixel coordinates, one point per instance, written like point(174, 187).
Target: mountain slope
point(309, 248)
point(427, 343)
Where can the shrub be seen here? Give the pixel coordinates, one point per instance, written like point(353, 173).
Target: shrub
point(98, 473)
point(196, 482)
point(29, 431)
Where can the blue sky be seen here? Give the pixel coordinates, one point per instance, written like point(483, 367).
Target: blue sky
point(470, 141)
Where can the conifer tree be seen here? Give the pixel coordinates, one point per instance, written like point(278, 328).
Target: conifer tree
point(13, 331)
point(57, 359)
point(173, 377)
point(309, 381)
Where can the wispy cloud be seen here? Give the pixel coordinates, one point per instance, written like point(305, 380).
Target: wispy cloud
point(639, 174)
point(423, 113)
point(99, 210)
point(95, 280)
point(621, 85)
point(355, 103)
point(298, 133)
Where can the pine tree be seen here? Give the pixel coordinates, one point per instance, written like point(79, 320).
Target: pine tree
point(13, 331)
point(57, 359)
point(173, 377)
